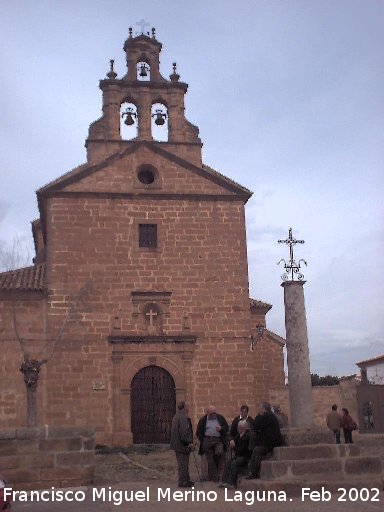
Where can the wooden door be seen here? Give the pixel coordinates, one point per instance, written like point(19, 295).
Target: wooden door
point(153, 405)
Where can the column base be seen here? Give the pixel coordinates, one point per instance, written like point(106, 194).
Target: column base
point(309, 435)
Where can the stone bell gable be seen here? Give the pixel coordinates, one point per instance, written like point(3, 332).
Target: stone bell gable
point(142, 258)
point(141, 88)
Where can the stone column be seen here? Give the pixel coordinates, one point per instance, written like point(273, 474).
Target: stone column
point(299, 376)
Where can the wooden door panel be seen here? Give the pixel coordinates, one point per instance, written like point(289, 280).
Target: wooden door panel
point(153, 400)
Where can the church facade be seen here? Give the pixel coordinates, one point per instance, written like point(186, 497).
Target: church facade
point(138, 297)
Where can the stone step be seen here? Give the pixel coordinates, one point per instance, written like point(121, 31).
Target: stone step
point(317, 451)
point(298, 487)
point(315, 469)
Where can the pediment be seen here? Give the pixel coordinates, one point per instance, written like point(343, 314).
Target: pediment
point(118, 174)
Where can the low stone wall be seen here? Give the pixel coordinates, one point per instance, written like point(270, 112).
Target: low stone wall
point(39, 458)
point(344, 395)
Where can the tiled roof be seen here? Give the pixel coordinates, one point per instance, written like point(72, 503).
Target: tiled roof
point(275, 337)
point(258, 304)
point(369, 362)
point(23, 279)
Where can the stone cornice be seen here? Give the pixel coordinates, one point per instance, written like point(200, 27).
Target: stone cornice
point(130, 339)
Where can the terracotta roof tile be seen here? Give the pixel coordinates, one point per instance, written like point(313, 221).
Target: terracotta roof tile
point(372, 361)
point(258, 304)
point(23, 279)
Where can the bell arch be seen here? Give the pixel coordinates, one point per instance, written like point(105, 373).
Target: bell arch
point(159, 121)
point(129, 120)
point(143, 70)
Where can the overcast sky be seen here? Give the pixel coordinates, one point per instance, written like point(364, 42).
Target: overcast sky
point(288, 96)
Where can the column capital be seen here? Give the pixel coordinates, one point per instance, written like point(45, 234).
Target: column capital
point(290, 283)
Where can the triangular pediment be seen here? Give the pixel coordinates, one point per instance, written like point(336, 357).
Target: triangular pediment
point(118, 173)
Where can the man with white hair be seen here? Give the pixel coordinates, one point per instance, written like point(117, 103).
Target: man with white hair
point(211, 431)
point(240, 446)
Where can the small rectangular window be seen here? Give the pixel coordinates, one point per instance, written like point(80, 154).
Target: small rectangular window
point(148, 235)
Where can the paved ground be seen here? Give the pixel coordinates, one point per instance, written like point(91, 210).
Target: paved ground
point(160, 503)
point(140, 472)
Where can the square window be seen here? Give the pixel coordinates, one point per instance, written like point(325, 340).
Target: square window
point(148, 235)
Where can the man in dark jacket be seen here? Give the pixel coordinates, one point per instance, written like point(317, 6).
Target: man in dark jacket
point(267, 436)
point(242, 417)
point(212, 431)
point(181, 443)
point(240, 446)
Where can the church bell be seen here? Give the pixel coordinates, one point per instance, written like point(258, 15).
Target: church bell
point(159, 117)
point(128, 115)
point(143, 70)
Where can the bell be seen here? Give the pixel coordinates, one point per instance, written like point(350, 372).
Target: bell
point(159, 118)
point(143, 71)
point(129, 121)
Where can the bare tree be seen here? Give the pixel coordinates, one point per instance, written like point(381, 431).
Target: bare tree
point(14, 255)
point(30, 367)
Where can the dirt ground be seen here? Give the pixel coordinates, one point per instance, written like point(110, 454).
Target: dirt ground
point(148, 469)
point(137, 464)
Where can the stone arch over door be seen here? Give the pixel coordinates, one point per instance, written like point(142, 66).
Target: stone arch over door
point(127, 361)
point(153, 404)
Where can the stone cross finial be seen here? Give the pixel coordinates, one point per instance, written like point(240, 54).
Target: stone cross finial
point(291, 267)
point(111, 73)
point(142, 24)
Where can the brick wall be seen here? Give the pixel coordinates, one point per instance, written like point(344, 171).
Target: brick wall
point(39, 458)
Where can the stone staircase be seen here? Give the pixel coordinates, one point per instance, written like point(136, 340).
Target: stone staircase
point(318, 466)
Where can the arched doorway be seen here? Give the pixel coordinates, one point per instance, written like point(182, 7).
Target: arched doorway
point(153, 404)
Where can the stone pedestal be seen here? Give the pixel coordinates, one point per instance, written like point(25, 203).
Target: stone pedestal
point(307, 436)
point(299, 376)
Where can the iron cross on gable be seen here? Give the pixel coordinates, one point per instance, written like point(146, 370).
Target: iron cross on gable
point(291, 267)
point(142, 24)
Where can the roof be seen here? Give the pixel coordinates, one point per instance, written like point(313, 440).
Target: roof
point(218, 174)
point(23, 279)
point(258, 304)
point(275, 337)
point(371, 362)
point(86, 169)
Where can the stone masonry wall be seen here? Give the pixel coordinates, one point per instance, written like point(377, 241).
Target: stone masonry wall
point(343, 395)
point(28, 310)
point(39, 458)
point(200, 259)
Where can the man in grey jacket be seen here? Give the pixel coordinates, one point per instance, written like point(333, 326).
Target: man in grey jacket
point(181, 443)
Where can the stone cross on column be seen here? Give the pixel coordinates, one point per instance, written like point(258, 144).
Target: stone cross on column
point(299, 376)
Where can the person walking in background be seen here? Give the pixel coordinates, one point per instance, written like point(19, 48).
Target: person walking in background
point(347, 424)
point(334, 423)
point(181, 443)
point(212, 431)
